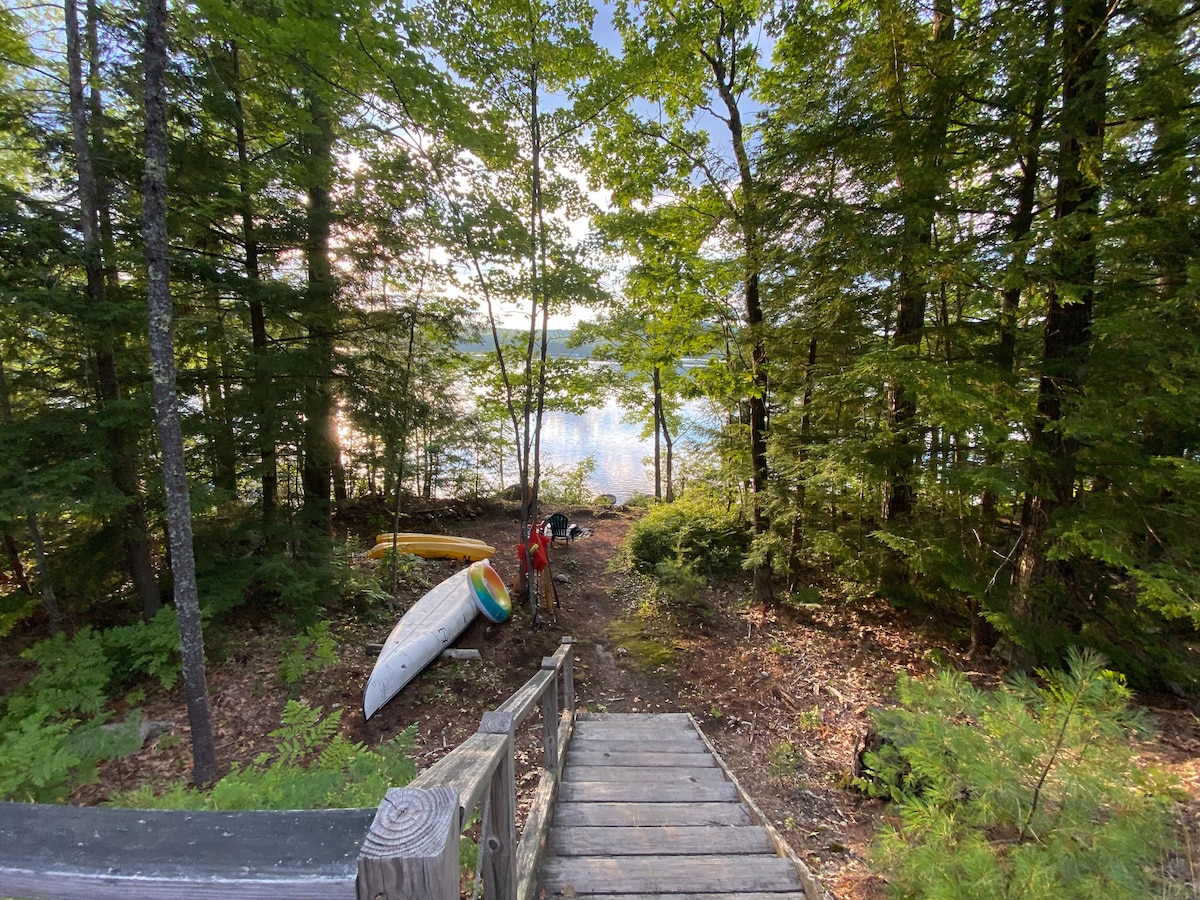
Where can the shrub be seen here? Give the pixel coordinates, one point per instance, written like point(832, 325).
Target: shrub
point(708, 537)
point(568, 485)
point(1031, 791)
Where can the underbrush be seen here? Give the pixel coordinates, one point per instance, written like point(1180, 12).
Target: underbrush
point(54, 730)
point(313, 766)
point(1029, 791)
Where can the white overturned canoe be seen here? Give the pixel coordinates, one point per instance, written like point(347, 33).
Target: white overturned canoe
point(430, 626)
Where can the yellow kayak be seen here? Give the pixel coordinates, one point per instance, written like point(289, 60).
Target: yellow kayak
point(435, 549)
point(405, 536)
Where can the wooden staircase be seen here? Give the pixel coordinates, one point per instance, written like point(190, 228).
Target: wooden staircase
point(646, 808)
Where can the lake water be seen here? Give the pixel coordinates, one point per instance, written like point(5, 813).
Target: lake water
point(624, 461)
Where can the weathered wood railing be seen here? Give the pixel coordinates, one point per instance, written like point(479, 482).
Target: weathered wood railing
point(410, 850)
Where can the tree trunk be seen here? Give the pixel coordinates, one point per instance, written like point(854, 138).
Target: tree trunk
point(132, 520)
point(264, 403)
point(320, 320)
point(658, 418)
point(723, 72)
point(166, 403)
point(921, 181)
point(1070, 297)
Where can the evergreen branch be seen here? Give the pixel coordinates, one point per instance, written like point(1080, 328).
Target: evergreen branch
point(1053, 757)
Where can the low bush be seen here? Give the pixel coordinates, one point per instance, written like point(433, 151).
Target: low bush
point(1030, 791)
point(707, 537)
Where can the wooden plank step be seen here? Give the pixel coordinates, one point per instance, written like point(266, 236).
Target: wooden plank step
point(601, 758)
point(740, 895)
point(636, 718)
point(647, 745)
point(740, 875)
point(656, 774)
point(626, 733)
point(567, 815)
point(666, 792)
point(669, 840)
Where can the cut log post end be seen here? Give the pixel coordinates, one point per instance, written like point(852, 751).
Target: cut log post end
point(411, 850)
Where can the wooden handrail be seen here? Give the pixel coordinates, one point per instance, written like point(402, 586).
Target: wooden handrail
point(409, 852)
point(481, 765)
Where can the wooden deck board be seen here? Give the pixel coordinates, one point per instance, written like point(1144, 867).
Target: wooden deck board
point(739, 895)
point(641, 745)
point(666, 874)
point(677, 760)
point(647, 811)
point(689, 840)
point(569, 814)
point(634, 792)
point(648, 719)
point(656, 774)
point(630, 733)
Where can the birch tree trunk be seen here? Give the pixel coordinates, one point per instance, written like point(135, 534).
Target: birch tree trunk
point(166, 408)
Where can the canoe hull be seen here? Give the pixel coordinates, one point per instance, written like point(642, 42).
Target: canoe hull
point(430, 626)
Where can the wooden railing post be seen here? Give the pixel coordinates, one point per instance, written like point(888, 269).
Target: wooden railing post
point(569, 677)
point(498, 842)
point(411, 850)
point(550, 715)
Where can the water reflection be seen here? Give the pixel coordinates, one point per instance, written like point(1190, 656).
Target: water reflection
point(623, 458)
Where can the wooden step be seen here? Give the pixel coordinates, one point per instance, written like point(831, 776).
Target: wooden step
point(584, 875)
point(656, 774)
point(567, 815)
point(606, 758)
point(640, 745)
point(666, 792)
point(674, 840)
point(584, 731)
point(649, 719)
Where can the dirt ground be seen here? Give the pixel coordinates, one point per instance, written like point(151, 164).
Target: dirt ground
point(784, 695)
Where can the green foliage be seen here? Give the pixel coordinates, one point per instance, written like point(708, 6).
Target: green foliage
point(36, 763)
point(308, 653)
point(679, 586)
point(709, 537)
point(52, 732)
point(568, 485)
point(1030, 791)
point(73, 677)
point(406, 570)
point(146, 648)
point(314, 766)
point(15, 608)
point(783, 760)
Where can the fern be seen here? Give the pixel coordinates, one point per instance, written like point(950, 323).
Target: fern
point(313, 766)
point(36, 765)
point(311, 652)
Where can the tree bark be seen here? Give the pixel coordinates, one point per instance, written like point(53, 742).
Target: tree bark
point(264, 403)
point(921, 178)
point(1071, 293)
point(166, 403)
point(132, 519)
point(724, 70)
point(320, 320)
